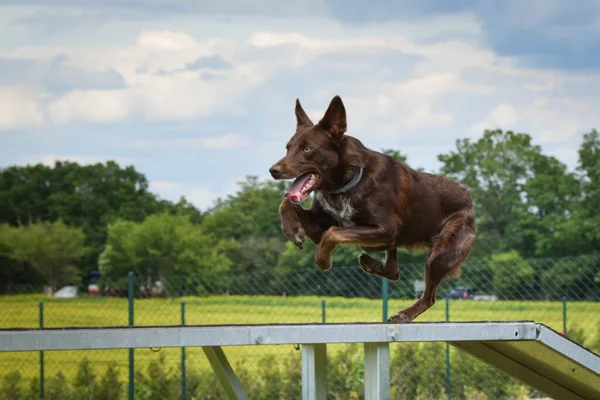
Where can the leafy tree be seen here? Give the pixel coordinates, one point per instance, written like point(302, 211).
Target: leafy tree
point(168, 245)
point(513, 276)
point(52, 249)
point(494, 169)
point(526, 201)
point(10, 269)
point(579, 232)
point(589, 166)
point(571, 277)
point(520, 194)
point(551, 194)
point(254, 254)
point(251, 211)
point(251, 218)
point(89, 197)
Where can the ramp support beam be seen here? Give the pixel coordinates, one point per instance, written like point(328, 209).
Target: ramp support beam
point(377, 371)
point(225, 373)
point(314, 372)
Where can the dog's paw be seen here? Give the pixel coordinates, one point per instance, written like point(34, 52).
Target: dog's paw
point(324, 263)
point(375, 267)
point(298, 238)
point(399, 318)
point(295, 234)
point(394, 278)
point(369, 264)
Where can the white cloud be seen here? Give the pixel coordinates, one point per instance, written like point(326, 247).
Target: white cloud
point(550, 119)
point(449, 78)
point(158, 84)
point(393, 109)
point(557, 119)
point(167, 40)
point(227, 141)
point(20, 108)
point(501, 116)
point(90, 105)
point(416, 85)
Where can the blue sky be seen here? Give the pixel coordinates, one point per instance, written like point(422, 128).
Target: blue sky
point(197, 96)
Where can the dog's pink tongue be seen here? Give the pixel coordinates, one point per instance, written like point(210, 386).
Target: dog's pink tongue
point(295, 189)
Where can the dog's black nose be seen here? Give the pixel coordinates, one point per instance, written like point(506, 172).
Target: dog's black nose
point(275, 170)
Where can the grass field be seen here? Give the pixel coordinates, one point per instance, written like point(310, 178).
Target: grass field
point(23, 311)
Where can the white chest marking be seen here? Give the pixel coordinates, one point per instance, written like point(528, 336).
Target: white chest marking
point(342, 210)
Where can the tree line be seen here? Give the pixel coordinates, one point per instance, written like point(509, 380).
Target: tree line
point(58, 223)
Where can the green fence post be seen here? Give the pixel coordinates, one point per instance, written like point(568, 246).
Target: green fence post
point(564, 299)
point(384, 298)
point(42, 390)
point(130, 290)
point(448, 381)
point(323, 310)
point(183, 378)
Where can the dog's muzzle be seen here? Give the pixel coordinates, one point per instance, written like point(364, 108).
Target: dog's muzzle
point(275, 171)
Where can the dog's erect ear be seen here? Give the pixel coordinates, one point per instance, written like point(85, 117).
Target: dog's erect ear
point(334, 120)
point(301, 117)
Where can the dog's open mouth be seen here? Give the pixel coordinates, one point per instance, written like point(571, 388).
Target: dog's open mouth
point(301, 187)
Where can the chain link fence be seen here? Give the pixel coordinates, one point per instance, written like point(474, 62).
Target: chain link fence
point(561, 293)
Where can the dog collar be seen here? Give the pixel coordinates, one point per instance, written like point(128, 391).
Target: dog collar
point(352, 184)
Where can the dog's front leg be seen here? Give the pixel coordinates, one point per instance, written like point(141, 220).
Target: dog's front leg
point(364, 236)
point(296, 222)
point(290, 223)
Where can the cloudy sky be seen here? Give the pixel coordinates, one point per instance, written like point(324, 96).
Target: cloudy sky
point(198, 96)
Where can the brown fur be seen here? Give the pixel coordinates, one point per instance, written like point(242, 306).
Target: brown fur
point(392, 205)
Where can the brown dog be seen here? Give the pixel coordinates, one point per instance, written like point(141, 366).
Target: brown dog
point(371, 200)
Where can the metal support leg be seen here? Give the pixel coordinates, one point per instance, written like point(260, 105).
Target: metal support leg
point(225, 373)
point(314, 372)
point(377, 371)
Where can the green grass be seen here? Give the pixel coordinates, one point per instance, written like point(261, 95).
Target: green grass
point(23, 311)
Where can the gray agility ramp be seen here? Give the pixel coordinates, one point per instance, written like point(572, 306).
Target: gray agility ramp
point(529, 352)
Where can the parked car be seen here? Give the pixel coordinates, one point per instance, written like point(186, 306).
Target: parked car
point(460, 292)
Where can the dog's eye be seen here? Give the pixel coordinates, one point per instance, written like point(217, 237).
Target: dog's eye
point(307, 149)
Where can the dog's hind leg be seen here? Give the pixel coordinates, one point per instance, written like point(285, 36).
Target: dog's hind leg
point(447, 254)
point(388, 270)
